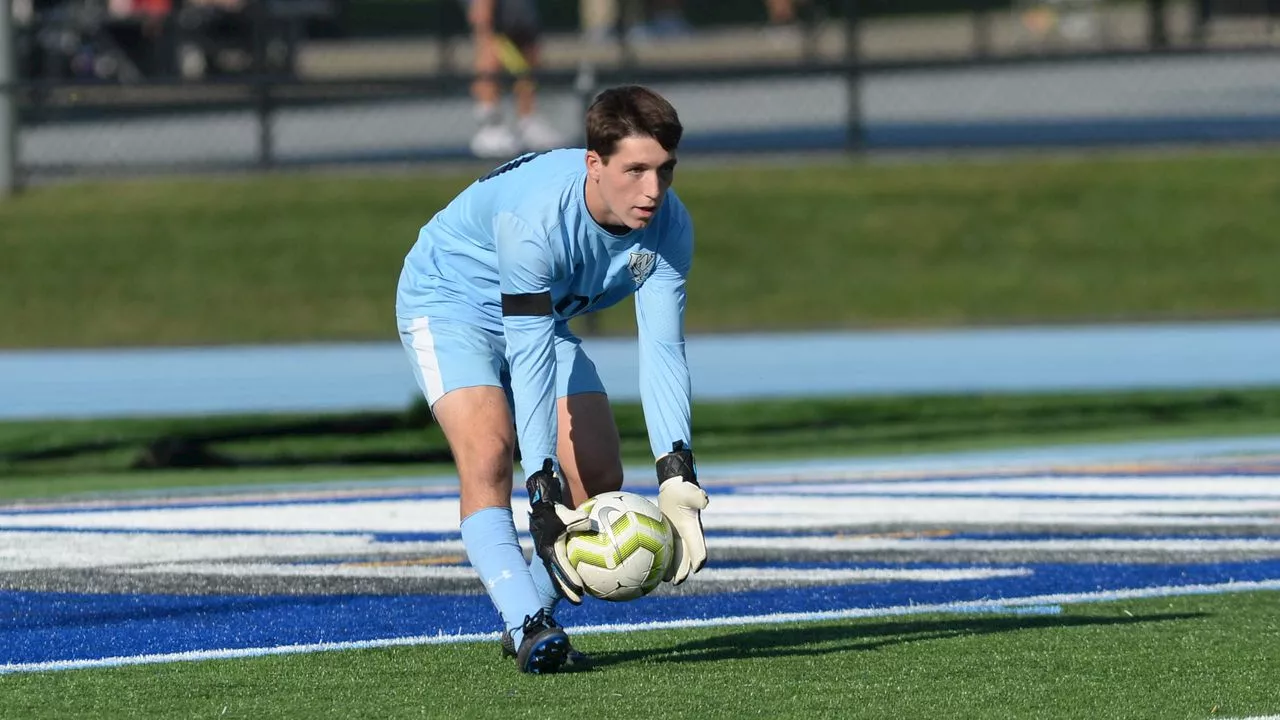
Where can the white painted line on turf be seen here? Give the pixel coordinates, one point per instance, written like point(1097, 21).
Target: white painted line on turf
point(228, 654)
point(216, 554)
point(1082, 486)
point(467, 573)
point(851, 613)
point(27, 550)
point(1069, 545)
point(781, 511)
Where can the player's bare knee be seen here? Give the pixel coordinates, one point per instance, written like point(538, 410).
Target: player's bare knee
point(487, 458)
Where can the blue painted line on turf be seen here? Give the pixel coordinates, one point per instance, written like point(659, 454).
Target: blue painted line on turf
point(757, 490)
point(1152, 537)
point(39, 627)
point(454, 536)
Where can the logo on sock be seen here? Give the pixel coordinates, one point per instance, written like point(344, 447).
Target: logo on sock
point(504, 575)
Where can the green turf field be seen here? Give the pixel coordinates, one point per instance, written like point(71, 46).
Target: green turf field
point(1188, 657)
point(281, 257)
point(285, 258)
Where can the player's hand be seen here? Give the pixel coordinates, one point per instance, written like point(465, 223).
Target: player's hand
point(550, 522)
point(682, 500)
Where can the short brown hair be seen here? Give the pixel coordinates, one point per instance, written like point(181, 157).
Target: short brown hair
point(627, 111)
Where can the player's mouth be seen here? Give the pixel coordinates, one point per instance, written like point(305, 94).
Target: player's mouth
point(646, 210)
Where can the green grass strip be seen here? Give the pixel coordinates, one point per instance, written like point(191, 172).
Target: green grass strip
point(769, 430)
point(1187, 657)
point(285, 258)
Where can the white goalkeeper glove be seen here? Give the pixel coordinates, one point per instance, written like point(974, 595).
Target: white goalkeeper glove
point(681, 500)
point(550, 522)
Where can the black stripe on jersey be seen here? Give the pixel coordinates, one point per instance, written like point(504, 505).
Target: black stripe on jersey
point(526, 304)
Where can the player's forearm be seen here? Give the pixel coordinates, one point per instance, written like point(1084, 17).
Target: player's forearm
point(531, 353)
point(665, 395)
point(665, 392)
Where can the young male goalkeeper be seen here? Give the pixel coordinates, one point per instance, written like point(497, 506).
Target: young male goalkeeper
point(484, 302)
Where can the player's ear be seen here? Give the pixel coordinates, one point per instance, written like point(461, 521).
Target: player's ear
point(594, 165)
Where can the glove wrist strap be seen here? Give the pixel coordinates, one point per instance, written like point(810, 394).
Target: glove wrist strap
point(544, 486)
point(677, 463)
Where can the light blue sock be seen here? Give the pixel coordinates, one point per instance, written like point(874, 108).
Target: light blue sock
point(490, 538)
point(542, 579)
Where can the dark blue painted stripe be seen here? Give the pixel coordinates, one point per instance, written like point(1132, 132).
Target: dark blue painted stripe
point(42, 627)
point(420, 537)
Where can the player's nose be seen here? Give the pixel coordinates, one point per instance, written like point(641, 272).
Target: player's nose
point(652, 187)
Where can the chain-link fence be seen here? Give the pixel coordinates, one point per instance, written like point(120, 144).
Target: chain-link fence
point(124, 85)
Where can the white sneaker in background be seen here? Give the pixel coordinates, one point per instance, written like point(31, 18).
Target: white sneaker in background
point(537, 134)
point(495, 142)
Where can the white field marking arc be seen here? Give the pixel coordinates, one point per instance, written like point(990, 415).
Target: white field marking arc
point(465, 572)
point(816, 476)
point(851, 613)
point(728, 512)
point(33, 550)
point(1204, 485)
point(1161, 486)
point(1073, 545)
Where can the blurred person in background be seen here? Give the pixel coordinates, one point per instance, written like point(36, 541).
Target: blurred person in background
point(782, 13)
point(663, 19)
point(666, 18)
point(505, 34)
point(784, 27)
point(599, 19)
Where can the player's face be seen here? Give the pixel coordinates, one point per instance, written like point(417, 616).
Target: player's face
point(631, 185)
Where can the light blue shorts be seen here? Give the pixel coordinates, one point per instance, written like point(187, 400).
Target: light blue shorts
point(448, 354)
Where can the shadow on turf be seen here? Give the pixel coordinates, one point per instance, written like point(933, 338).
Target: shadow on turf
point(797, 640)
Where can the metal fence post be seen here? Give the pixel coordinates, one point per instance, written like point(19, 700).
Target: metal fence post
point(981, 32)
point(8, 104)
point(262, 83)
point(854, 133)
point(1157, 31)
point(630, 15)
point(1200, 25)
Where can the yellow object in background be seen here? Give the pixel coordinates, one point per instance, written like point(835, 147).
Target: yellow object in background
point(510, 56)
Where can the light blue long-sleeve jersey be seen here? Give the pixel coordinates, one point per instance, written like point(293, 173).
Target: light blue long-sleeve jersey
point(524, 229)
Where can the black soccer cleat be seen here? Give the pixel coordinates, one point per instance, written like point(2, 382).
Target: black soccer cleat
point(574, 661)
point(544, 647)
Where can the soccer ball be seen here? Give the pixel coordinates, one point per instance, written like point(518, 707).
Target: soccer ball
point(625, 553)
